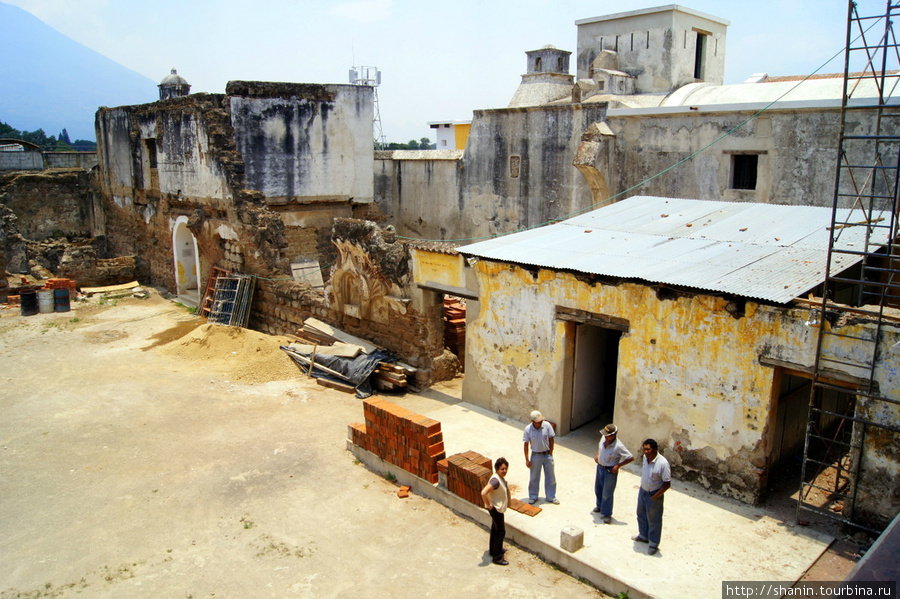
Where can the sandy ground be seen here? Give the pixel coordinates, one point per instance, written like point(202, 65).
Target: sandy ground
point(144, 453)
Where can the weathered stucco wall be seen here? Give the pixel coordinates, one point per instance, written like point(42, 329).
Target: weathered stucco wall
point(176, 158)
point(795, 149)
point(421, 193)
point(658, 48)
point(303, 141)
point(517, 172)
point(689, 368)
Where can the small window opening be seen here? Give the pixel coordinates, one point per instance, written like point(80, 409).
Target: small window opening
point(515, 163)
point(151, 151)
point(698, 56)
point(559, 65)
point(744, 168)
point(538, 64)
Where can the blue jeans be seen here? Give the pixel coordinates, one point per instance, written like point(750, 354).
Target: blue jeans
point(604, 487)
point(649, 517)
point(545, 461)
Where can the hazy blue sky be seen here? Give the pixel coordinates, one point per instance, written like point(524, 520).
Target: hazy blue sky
point(439, 60)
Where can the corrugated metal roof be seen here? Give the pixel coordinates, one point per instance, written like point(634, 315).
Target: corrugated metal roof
point(761, 251)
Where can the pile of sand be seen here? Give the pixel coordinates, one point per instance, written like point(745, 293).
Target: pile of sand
point(246, 356)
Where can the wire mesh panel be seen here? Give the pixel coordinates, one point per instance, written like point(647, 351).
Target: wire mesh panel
point(231, 300)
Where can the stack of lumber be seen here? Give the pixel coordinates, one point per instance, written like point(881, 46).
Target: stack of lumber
point(316, 332)
point(455, 329)
point(391, 376)
point(316, 337)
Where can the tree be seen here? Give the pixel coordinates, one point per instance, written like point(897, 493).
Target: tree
point(64, 137)
point(425, 144)
point(7, 132)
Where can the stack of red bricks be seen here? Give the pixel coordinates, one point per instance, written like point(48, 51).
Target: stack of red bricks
point(62, 284)
point(455, 329)
point(403, 438)
point(467, 474)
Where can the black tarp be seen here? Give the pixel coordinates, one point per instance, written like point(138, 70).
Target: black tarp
point(356, 370)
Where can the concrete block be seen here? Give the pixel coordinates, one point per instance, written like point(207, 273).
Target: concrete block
point(571, 539)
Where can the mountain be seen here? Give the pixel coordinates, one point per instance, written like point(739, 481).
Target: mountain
point(52, 82)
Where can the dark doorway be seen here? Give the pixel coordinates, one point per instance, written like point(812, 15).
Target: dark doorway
point(790, 422)
point(594, 377)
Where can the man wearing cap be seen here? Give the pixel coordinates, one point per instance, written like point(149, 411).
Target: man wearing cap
point(610, 457)
point(656, 477)
point(539, 438)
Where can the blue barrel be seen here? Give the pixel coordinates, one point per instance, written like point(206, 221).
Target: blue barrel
point(61, 300)
point(28, 302)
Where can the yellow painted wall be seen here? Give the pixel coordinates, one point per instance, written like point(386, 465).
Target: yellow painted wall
point(461, 133)
point(689, 373)
point(436, 267)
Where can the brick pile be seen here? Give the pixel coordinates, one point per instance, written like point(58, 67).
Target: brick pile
point(467, 474)
point(62, 284)
point(455, 329)
point(403, 438)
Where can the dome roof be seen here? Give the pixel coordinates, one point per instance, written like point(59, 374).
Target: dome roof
point(173, 79)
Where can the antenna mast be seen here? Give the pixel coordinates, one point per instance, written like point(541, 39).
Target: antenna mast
point(371, 77)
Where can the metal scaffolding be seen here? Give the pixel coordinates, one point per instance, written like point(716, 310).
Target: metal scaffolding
point(851, 417)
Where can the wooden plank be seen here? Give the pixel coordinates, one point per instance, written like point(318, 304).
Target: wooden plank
point(342, 350)
point(108, 288)
point(339, 335)
point(336, 385)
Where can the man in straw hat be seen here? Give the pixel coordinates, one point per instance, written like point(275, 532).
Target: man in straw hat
point(610, 457)
point(538, 438)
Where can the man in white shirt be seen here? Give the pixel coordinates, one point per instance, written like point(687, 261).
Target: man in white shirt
point(538, 438)
point(656, 477)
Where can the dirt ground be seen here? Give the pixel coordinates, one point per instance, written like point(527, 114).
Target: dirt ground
point(144, 453)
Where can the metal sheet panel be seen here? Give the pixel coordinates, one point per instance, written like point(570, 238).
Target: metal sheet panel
point(761, 251)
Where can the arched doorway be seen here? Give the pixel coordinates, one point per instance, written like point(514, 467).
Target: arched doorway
point(187, 261)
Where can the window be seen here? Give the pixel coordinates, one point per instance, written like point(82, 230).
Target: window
point(151, 151)
point(515, 164)
point(538, 64)
point(743, 171)
point(698, 56)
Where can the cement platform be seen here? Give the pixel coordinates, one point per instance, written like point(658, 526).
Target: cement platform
point(706, 539)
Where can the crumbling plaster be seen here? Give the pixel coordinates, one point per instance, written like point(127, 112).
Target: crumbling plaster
point(304, 142)
point(517, 172)
point(690, 371)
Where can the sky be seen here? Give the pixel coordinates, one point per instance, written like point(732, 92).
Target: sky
point(438, 60)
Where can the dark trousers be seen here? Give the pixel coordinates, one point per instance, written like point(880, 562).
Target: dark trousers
point(498, 533)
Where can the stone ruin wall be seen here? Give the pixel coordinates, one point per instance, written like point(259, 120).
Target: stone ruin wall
point(368, 294)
